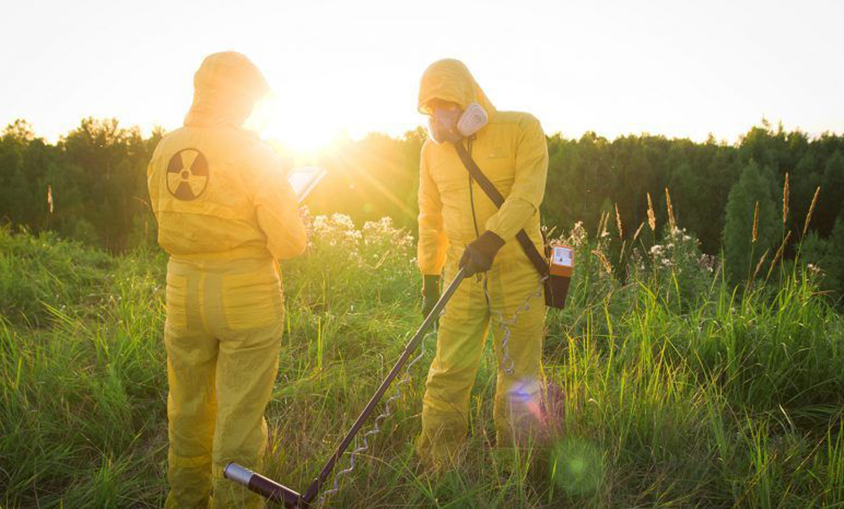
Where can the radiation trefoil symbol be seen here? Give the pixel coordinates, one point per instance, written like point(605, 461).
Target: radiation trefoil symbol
point(187, 174)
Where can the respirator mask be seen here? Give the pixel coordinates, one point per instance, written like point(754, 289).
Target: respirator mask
point(453, 125)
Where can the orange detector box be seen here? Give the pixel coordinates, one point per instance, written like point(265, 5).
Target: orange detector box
point(562, 260)
point(561, 269)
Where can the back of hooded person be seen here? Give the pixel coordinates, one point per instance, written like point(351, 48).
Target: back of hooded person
point(226, 214)
point(217, 190)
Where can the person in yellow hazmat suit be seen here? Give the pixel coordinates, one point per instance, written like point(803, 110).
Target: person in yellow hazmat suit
point(460, 226)
point(226, 214)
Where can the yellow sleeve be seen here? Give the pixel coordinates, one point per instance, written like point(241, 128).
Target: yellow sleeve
point(432, 245)
point(277, 211)
point(529, 184)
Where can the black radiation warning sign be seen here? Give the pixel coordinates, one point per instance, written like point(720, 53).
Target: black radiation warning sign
point(187, 174)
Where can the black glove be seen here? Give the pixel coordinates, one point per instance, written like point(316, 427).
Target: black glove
point(430, 293)
point(479, 255)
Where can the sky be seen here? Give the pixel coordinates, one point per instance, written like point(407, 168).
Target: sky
point(343, 69)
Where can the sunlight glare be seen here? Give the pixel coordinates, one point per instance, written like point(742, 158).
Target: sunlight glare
point(292, 125)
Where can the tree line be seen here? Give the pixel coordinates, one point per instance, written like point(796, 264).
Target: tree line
point(733, 197)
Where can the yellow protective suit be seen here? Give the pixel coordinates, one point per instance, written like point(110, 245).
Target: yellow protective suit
point(225, 215)
point(453, 211)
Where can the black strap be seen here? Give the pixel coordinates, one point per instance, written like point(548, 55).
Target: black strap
point(489, 188)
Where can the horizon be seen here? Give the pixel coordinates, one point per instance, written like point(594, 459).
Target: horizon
point(663, 69)
point(147, 132)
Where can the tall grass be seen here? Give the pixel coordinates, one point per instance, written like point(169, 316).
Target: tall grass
point(677, 390)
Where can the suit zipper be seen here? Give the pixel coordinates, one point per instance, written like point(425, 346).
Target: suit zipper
point(480, 277)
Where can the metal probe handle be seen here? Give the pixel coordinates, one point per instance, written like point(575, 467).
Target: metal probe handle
point(267, 488)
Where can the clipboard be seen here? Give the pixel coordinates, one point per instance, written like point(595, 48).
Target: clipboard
point(303, 180)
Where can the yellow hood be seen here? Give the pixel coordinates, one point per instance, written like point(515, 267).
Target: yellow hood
point(226, 87)
point(450, 80)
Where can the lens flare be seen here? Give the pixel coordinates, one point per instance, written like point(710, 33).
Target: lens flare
point(577, 466)
point(525, 395)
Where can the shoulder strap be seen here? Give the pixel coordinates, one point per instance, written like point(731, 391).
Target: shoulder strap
point(494, 194)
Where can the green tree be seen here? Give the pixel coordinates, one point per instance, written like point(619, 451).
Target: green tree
point(111, 158)
point(756, 185)
point(832, 193)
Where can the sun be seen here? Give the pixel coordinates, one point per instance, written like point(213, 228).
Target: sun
point(293, 125)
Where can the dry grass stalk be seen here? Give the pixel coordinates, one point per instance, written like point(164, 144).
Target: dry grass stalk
point(671, 221)
point(779, 254)
point(604, 260)
point(786, 190)
point(811, 209)
point(755, 234)
point(638, 231)
point(602, 223)
point(618, 222)
point(651, 216)
point(759, 265)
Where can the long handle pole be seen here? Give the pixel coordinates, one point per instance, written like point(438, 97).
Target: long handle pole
point(317, 483)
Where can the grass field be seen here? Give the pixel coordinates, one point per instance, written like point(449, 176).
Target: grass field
point(679, 391)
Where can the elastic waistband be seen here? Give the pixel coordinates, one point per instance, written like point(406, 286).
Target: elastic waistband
point(236, 254)
point(235, 266)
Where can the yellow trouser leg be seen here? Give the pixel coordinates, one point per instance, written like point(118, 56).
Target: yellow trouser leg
point(517, 409)
point(246, 371)
point(460, 343)
point(191, 412)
